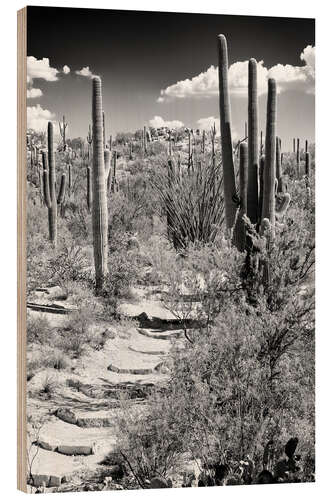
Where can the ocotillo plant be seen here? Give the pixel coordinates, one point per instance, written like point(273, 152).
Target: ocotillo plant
point(49, 180)
point(99, 201)
point(239, 236)
point(62, 129)
point(229, 183)
point(189, 151)
point(144, 140)
point(212, 136)
point(253, 153)
point(268, 205)
point(170, 145)
point(203, 143)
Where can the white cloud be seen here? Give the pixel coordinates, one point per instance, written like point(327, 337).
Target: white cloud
point(37, 117)
point(66, 69)
point(40, 68)
point(208, 124)
point(158, 122)
point(85, 72)
point(288, 77)
point(33, 93)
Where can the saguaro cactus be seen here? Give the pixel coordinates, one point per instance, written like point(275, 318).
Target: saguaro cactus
point(307, 165)
point(226, 140)
point(278, 165)
point(69, 177)
point(89, 191)
point(99, 201)
point(298, 167)
point(252, 187)
point(268, 205)
point(240, 230)
point(49, 180)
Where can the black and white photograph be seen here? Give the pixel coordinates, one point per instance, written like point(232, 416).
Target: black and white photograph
point(169, 165)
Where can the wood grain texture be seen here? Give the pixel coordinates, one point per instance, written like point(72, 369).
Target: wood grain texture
point(21, 247)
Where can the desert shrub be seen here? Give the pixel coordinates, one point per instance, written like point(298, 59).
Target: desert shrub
point(75, 336)
point(48, 387)
point(122, 274)
point(223, 401)
point(38, 330)
point(67, 263)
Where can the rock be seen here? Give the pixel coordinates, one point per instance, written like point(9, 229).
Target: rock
point(46, 443)
point(55, 481)
point(75, 450)
point(158, 482)
point(66, 415)
point(40, 479)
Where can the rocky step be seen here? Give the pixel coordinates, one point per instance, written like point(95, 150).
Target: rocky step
point(51, 308)
point(159, 334)
point(137, 371)
point(45, 480)
point(149, 352)
point(60, 437)
point(134, 391)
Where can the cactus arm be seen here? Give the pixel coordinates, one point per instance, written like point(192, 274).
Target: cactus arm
point(62, 190)
point(226, 141)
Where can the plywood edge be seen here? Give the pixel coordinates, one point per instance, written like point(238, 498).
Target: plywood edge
point(21, 248)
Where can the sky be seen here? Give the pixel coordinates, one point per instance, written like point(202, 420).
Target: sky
point(160, 69)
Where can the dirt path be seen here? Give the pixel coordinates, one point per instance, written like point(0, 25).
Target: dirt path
point(80, 426)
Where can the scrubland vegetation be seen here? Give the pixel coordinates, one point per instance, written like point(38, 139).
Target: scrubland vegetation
point(236, 268)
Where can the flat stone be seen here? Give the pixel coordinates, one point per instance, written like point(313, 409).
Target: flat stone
point(75, 450)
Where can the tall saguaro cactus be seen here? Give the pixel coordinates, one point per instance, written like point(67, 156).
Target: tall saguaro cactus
point(226, 141)
point(253, 155)
point(298, 160)
point(99, 201)
point(268, 206)
point(49, 187)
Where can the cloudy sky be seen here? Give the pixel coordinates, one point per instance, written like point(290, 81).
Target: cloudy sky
point(160, 68)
